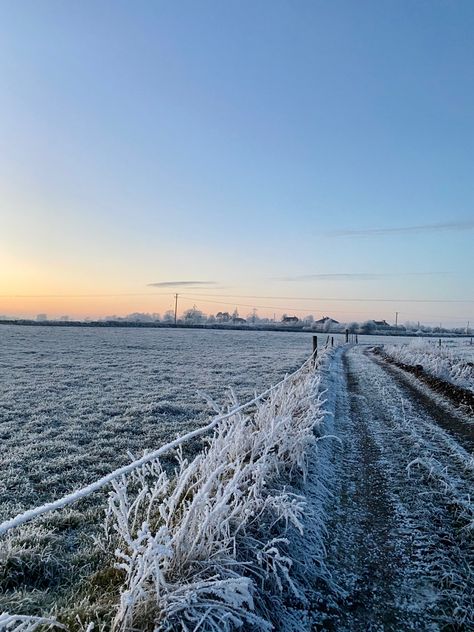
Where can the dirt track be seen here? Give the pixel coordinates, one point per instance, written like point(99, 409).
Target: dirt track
point(398, 546)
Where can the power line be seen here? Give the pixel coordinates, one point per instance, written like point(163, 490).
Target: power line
point(250, 306)
point(333, 298)
point(290, 298)
point(292, 308)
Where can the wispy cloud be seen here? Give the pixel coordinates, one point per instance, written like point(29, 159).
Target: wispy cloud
point(356, 276)
point(405, 230)
point(183, 284)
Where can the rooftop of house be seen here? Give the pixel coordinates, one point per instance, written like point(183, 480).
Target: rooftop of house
point(326, 319)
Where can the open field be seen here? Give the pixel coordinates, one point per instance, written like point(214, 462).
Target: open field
point(76, 404)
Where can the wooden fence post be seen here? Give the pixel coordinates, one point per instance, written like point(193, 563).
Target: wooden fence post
point(347, 335)
point(332, 341)
point(315, 348)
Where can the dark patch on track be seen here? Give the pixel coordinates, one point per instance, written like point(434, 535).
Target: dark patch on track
point(457, 426)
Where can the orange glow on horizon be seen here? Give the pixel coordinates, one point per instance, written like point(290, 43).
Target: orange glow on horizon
point(96, 306)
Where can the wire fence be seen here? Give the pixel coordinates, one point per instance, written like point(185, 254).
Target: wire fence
point(77, 495)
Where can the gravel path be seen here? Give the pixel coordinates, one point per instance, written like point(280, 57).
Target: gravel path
point(399, 546)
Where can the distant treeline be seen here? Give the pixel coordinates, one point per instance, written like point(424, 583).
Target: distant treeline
point(297, 327)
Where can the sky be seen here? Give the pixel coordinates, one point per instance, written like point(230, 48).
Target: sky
point(296, 156)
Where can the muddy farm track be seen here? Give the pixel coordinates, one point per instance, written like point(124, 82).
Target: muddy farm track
point(400, 522)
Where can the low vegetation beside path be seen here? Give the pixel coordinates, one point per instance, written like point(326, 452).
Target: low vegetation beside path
point(437, 360)
point(211, 546)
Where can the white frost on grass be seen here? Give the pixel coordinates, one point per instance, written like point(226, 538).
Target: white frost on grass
point(208, 549)
point(18, 623)
point(440, 361)
point(75, 401)
point(212, 546)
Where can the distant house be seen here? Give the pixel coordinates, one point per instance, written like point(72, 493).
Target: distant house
point(325, 323)
point(290, 320)
point(238, 321)
point(326, 319)
point(382, 324)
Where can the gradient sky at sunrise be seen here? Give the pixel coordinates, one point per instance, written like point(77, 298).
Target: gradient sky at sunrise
point(305, 151)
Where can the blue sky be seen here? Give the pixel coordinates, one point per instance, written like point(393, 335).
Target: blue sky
point(302, 150)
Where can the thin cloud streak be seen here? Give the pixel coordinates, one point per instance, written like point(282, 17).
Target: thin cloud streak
point(182, 283)
point(406, 230)
point(356, 276)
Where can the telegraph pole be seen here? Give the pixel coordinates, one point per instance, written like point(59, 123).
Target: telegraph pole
point(396, 320)
point(176, 309)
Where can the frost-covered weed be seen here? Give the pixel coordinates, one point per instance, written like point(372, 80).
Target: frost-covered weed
point(208, 548)
point(442, 362)
point(18, 623)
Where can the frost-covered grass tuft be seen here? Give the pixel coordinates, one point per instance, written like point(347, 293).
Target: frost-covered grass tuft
point(18, 623)
point(442, 362)
point(207, 549)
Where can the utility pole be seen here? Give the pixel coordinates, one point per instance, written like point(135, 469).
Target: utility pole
point(176, 309)
point(396, 320)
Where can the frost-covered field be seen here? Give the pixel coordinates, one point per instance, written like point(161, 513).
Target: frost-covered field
point(74, 401)
point(461, 348)
point(59, 423)
point(450, 361)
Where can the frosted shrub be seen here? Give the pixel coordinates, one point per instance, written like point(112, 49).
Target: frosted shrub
point(202, 548)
